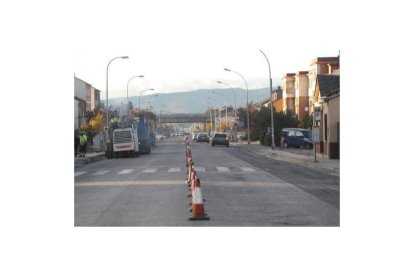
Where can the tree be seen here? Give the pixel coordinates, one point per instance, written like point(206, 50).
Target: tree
point(94, 123)
point(307, 122)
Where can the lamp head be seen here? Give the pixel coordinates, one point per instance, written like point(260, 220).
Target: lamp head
point(124, 57)
point(226, 69)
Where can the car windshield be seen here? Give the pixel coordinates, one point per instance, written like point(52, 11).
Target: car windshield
point(220, 136)
point(307, 134)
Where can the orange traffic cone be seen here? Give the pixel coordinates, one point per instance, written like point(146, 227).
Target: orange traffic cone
point(187, 179)
point(189, 152)
point(190, 170)
point(197, 208)
point(193, 180)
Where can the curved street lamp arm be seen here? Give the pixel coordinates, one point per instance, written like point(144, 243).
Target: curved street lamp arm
point(107, 67)
point(271, 102)
point(268, 63)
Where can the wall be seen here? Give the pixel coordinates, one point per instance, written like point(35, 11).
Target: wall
point(333, 128)
point(288, 82)
point(80, 89)
point(76, 114)
point(301, 94)
point(300, 104)
point(278, 105)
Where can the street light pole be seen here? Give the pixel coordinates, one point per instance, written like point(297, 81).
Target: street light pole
point(107, 67)
point(247, 103)
point(233, 95)
point(271, 103)
point(215, 116)
point(139, 97)
point(141, 76)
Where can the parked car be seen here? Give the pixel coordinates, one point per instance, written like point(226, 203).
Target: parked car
point(220, 139)
point(296, 137)
point(203, 137)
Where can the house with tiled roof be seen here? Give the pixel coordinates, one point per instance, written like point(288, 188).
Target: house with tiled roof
point(320, 66)
point(326, 104)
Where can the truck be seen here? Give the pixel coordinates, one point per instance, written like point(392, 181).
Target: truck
point(122, 139)
point(121, 142)
point(144, 135)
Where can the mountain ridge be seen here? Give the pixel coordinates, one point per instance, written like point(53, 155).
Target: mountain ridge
point(194, 101)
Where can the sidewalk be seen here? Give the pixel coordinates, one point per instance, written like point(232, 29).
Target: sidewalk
point(89, 157)
point(299, 156)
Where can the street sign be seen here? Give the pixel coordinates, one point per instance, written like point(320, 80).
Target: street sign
point(315, 135)
point(317, 113)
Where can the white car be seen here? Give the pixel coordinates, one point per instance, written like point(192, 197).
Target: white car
point(159, 137)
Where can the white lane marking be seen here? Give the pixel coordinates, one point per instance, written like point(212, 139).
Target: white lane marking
point(102, 172)
point(126, 171)
point(199, 169)
point(247, 169)
point(223, 169)
point(177, 169)
point(150, 170)
point(79, 173)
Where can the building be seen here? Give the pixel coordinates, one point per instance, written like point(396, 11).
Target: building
point(277, 99)
point(316, 93)
point(87, 99)
point(301, 95)
point(288, 85)
point(326, 105)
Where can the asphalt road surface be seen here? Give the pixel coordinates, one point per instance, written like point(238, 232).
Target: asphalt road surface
point(240, 188)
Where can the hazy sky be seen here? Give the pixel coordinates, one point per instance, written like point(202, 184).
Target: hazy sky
point(184, 45)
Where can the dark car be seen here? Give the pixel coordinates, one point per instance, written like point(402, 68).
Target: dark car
point(220, 139)
point(297, 137)
point(203, 137)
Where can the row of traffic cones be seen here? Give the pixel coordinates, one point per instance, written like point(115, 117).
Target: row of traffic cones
point(194, 188)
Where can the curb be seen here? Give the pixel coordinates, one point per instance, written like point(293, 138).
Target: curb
point(302, 160)
point(89, 159)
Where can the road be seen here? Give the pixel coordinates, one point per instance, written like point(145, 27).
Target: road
point(239, 188)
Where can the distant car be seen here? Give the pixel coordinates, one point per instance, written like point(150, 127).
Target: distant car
point(160, 137)
point(203, 137)
point(296, 137)
point(220, 139)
